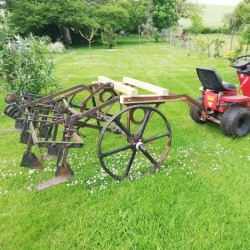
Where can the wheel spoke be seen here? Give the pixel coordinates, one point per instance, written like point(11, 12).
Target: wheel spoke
point(151, 159)
point(110, 98)
point(145, 122)
point(130, 163)
point(153, 138)
point(118, 150)
point(123, 128)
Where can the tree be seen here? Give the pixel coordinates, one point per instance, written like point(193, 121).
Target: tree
point(136, 13)
point(164, 13)
point(53, 18)
point(185, 8)
point(111, 18)
point(113, 15)
point(246, 37)
point(228, 21)
point(242, 13)
point(204, 45)
point(230, 25)
point(108, 37)
point(62, 19)
point(28, 16)
point(218, 44)
point(90, 35)
point(148, 29)
point(196, 24)
point(242, 21)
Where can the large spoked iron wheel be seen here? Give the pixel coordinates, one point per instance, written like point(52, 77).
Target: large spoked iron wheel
point(134, 142)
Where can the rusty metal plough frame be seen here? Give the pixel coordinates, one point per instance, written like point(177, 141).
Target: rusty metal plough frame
point(42, 119)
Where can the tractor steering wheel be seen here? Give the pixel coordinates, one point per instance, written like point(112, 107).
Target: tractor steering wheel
point(238, 63)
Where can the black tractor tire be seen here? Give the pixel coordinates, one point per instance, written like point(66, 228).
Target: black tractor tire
point(235, 122)
point(195, 112)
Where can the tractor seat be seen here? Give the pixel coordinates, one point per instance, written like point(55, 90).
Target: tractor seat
point(212, 81)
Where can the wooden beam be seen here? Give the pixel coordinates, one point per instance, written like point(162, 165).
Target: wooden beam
point(140, 99)
point(129, 91)
point(147, 86)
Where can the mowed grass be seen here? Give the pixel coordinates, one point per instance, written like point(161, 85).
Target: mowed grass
point(198, 199)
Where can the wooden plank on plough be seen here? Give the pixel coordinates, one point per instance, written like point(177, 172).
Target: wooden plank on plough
point(135, 137)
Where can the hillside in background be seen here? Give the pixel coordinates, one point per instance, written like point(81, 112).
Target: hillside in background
point(212, 15)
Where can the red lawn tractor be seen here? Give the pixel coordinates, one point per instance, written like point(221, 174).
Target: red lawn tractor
point(224, 103)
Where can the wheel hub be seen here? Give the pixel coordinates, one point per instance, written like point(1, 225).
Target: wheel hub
point(140, 146)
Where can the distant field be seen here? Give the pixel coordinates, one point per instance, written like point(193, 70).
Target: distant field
point(212, 15)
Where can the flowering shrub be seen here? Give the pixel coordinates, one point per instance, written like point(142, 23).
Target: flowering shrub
point(56, 47)
point(230, 55)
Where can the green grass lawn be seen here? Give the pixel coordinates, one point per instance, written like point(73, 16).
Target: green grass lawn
point(199, 198)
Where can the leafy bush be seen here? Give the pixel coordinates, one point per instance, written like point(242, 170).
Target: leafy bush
point(23, 65)
point(56, 47)
point(230, 55)
point(109, 37)
point(208, 30)
point(218, 44)
point(203, 45)
point(45, 40)
point(149, 31)
point(196, 24)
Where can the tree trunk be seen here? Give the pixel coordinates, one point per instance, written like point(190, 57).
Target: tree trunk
point(67, 37)
point(61, 33)
point(8, 5)
point(232, 38)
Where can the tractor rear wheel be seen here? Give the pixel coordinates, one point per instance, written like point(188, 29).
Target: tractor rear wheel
point(235, 122)
point(195, 112)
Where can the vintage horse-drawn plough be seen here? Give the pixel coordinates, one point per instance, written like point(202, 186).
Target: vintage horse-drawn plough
point(134, 134)
point(130, 124)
